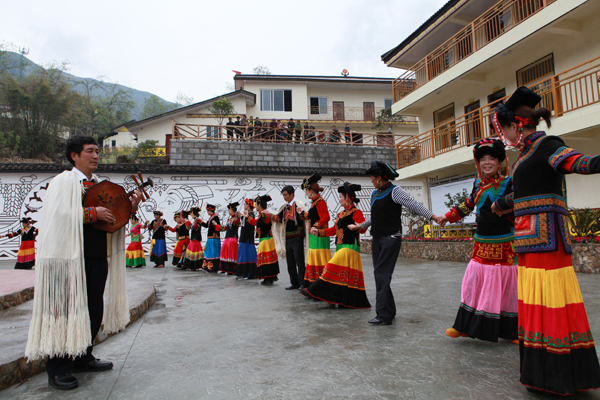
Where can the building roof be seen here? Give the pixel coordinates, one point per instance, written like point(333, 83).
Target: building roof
point(312, 78)
point(180, 169)
point(185, 109)
point(433, 20)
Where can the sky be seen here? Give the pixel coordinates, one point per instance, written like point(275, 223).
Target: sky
point(191, 47)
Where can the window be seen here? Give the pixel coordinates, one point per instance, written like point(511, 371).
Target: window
point(536, 71)
point(387, 103)
point(114, 143)
point(275, 100)
point(318, 105)
point(212, 131)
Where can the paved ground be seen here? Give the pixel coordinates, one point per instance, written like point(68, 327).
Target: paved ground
point(212, 337)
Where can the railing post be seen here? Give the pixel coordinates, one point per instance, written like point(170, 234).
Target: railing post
point(558, 110)
point(432, 145)
point(473, 37)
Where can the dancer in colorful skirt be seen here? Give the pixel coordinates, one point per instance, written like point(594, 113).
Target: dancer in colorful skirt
point(267, 263)
point(229, 251)
point(194, 255)
point(246, 260)
point(319, 250)
point(212, 250)
point(158, 249)
point(557, 350)
point(182, 233)
point(134, 255)
point(26, 253)
point(488, 304)
point(342, 281)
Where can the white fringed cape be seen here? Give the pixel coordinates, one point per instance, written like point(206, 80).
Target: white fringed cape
point(60, 324)
point(278, 230)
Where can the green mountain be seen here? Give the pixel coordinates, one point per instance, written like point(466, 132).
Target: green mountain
point(21, 65)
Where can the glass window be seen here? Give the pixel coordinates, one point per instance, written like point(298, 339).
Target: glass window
point(318, 105)
point(275, 100)
point(387, 103)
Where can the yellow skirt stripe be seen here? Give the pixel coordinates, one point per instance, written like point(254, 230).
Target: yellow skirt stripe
point(549, 288)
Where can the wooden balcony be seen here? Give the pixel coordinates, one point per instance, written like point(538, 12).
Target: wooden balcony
point(562, 93)
point(495, 22)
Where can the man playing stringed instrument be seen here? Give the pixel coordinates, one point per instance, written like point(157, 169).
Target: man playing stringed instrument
point(74, 262)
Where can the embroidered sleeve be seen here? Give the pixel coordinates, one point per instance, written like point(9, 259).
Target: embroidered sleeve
point(251, 221)
point(277, 217)
point(171, 229)
point(188, 224)
point(13, 234)
point(328, 232)
point(561, 154)
point(89, 215)
point(581, 164)
point(359, 218)
point(401, 197)
point(505, 202)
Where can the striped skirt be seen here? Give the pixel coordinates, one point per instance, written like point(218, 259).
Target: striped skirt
point(180, 249)
point(26, 255)
point(134, 255)
point(319, 254)
point(229, 254)
point(158, 251)
point(267, 262)
point(556, 346)
point(342, 281)
point(246, 260)
point(194, 255)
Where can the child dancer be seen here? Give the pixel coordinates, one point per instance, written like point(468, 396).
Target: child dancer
point(246, 260)
point(134, 255)
point(158, 251)
point(267, 262)
point(26, 253)
point(194, 255)
point(212, 250)
point(229, 251)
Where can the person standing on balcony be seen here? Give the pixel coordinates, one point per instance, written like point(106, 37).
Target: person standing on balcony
point(386, 228)
point(291, 127)
point(347, 133)
point(488, 304)
point(319, 251)
point(229, 130)
point(290, 236)
point(335, 135)
point(257, 129)
point(557, 350)
point(299, 131)
point(272, 134)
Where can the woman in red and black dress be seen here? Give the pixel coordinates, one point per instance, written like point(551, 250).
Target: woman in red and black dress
point(246, 260)
point(267, 263)
point(342, 281)
point(319, 251)
point(182, 231)
point(557, 350)
point(194, 255)
point(158, 249)
point(212, 249)
point(229, 251)
point(26, 254)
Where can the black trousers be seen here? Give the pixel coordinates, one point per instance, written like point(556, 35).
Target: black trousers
point(385, 253)
point(96, 271)
point(294, 249)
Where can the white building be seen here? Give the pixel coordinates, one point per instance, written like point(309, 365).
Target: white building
point(473, 53)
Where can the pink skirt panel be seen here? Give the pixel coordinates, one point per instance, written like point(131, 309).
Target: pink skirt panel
point(229, 250)
point(490, 288)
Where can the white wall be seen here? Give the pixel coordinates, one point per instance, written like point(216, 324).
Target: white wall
point(20, 192)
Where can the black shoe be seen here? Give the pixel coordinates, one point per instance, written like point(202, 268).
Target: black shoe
point(377, 321)
point(95, 365)
point(64, 381)
point(292, 287)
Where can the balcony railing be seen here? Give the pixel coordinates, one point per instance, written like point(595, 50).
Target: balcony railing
point(495, 22)
point(280, 135)
point(341, 113)
point(567, 91)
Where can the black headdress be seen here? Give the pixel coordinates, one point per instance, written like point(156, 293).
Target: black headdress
point(262, 200)
point(505, 113)
point(210, 207)
point(233, 206)
point(307, 182)
point(159, 213)
point(350, 190)
point(379, 168)
point(493, 147)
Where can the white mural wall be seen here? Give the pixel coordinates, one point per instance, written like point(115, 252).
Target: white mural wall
point(22, 195)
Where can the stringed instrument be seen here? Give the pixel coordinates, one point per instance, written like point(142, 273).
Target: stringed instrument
point(116, 199)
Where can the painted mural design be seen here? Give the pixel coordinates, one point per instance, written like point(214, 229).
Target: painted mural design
point(22, 195)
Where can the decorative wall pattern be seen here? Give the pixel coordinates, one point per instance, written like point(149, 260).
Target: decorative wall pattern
point(23, 195)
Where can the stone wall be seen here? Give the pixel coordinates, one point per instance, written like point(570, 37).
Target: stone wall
point(284, 155)
point(586, 257)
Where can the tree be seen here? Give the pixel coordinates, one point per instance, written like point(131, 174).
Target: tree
point(40, 108)
point(102, 105)
point(415, 222)
point(386, 119)
point(182, 100)
point(154, 105)
point(261, 70)
point(221, 108)
point(456, 200)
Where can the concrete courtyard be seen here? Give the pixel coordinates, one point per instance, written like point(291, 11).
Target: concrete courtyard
point(213, 337)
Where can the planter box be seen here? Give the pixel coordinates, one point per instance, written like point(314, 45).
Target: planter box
point(586, 257)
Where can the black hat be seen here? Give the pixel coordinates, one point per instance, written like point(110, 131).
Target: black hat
point(379, 168)
point(493, 147)
point(262, 199)
point(159, 213)
point(233, 206)
point(350, 189)
point(523, 96)
point(307, 182)
point(25, 220)
point(211, 207)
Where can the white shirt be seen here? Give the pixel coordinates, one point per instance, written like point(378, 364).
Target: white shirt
point(82, 176)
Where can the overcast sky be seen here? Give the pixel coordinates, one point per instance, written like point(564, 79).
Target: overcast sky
point(191, 47)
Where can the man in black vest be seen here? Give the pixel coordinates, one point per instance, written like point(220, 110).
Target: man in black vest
point(386, 228)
